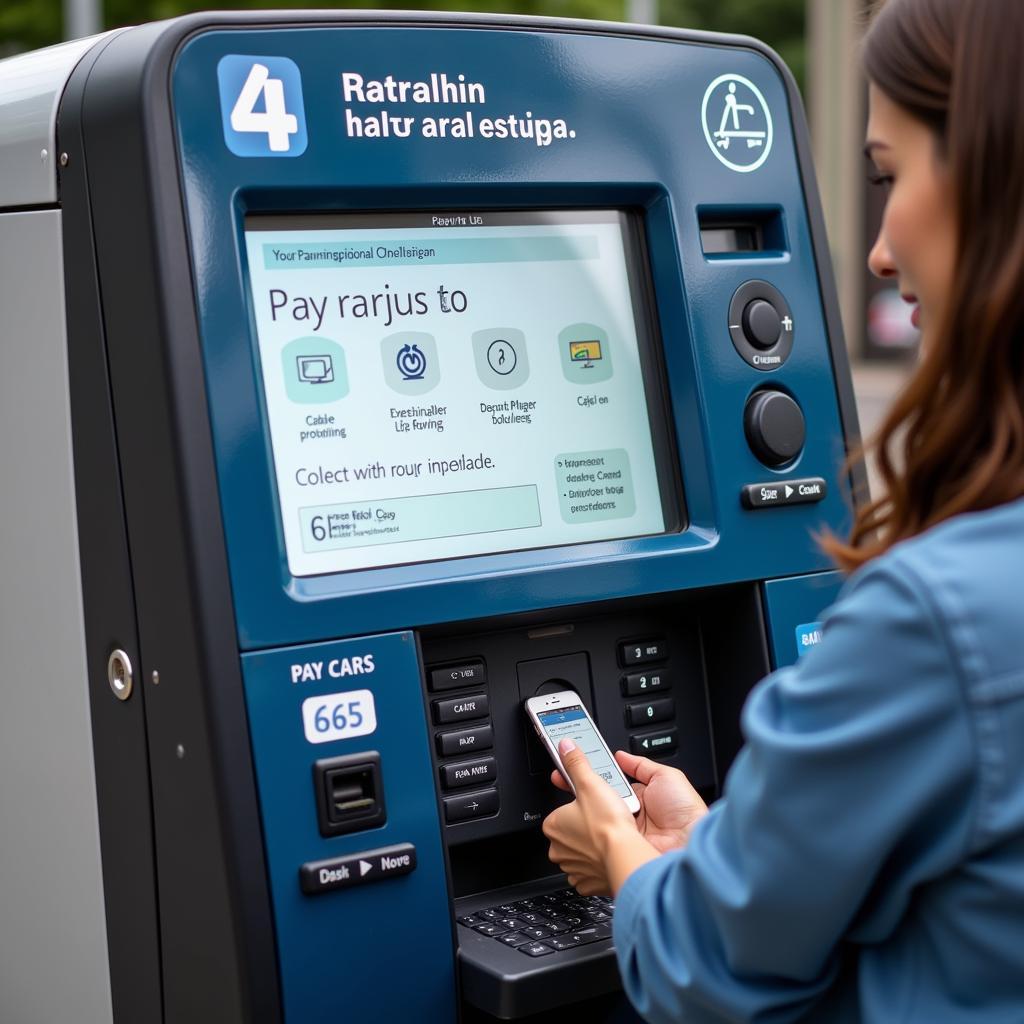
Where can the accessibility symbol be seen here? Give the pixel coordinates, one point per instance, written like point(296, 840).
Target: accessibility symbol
point(737, 122)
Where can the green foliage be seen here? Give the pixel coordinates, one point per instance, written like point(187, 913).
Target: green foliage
point(779, 23)
point(28, 24)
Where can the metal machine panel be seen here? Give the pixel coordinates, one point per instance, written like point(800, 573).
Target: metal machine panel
point(31, 86)
point(53, 943)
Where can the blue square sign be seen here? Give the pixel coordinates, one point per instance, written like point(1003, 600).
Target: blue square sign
point(808, 635)
point(261, 106)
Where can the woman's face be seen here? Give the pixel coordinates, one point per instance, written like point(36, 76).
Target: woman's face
point(916, 244)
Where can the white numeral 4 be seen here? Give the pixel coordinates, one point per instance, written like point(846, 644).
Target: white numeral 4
point(275, 121)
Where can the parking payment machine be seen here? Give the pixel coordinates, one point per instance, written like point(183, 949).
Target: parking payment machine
point(363, 376)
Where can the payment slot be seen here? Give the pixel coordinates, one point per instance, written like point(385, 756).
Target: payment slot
point(415, 366)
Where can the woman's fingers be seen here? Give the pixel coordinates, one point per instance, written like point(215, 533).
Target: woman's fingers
point(643, 769)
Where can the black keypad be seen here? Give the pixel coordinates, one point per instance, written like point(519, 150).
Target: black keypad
point(546, 924)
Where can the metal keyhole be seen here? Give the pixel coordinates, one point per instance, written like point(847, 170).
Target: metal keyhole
point(119, 674)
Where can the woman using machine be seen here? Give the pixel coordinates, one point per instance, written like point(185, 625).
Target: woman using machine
point(867, 859)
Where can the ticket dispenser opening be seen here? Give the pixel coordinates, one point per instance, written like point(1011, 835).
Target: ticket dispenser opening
point(408, 366)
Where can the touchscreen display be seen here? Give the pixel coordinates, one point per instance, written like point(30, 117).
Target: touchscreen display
point(575, 724)
point(444, 385)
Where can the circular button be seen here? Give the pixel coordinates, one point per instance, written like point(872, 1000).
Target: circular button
point(762, 324)
point(774, 426)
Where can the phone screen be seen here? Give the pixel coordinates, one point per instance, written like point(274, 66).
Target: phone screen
point(575, 723)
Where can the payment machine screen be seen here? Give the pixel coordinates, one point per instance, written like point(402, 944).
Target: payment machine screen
point(442, 385)
point(573, 723)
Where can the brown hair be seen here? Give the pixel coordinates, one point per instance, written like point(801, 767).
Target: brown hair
point(958, 426)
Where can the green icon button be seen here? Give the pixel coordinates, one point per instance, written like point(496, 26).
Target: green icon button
point(585, 353)
point(500, 357)
point(314, 371)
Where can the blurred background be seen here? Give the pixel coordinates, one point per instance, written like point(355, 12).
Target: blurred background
point(819, 41)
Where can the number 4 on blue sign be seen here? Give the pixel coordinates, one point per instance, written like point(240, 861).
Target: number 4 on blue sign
point(261, 106)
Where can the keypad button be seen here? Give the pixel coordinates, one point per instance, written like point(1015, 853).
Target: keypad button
point(531, 917)
point(536, 949)
point(453, 676)
point(655, 744)
point(652, 711)
point(527, 905)
point(640, 652)
point(514, 939)
point(491, 928)
point(637, 683)
point(465, 741)
point(460, 709)
point(469, 773)
point(470, 805)
point(580, 937)
point(535, 933)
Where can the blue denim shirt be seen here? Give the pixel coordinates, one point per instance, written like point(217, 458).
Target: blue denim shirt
point(867, 860)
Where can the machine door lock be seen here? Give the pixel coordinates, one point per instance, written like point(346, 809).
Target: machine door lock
point(120, 674)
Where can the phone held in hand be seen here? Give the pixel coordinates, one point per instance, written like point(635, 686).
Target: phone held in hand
point(558, 716)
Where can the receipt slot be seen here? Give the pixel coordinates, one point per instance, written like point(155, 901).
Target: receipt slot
point(363, 376)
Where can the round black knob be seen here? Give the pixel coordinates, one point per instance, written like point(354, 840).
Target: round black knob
point(762, 324)
point(774, 426)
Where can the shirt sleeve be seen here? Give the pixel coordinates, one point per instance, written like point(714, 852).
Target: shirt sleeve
point(855, 786)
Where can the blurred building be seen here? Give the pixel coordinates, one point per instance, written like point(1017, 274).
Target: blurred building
point(877, 321)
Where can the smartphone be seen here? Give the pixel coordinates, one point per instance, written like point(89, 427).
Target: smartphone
point(556, 716)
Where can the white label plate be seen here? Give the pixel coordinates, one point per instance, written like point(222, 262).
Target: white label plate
point(339, 716)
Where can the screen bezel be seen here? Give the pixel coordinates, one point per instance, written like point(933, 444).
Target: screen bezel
point(649, 349)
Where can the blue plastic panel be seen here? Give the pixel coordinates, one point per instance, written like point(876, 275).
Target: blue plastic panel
point(635, 106)
point(375, 952)
point(793, 609)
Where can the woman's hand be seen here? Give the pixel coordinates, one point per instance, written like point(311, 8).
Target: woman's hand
point(596, 841)
point(669, 805)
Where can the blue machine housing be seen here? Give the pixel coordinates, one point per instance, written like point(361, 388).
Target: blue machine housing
point(220, 623)
point(634, 102)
